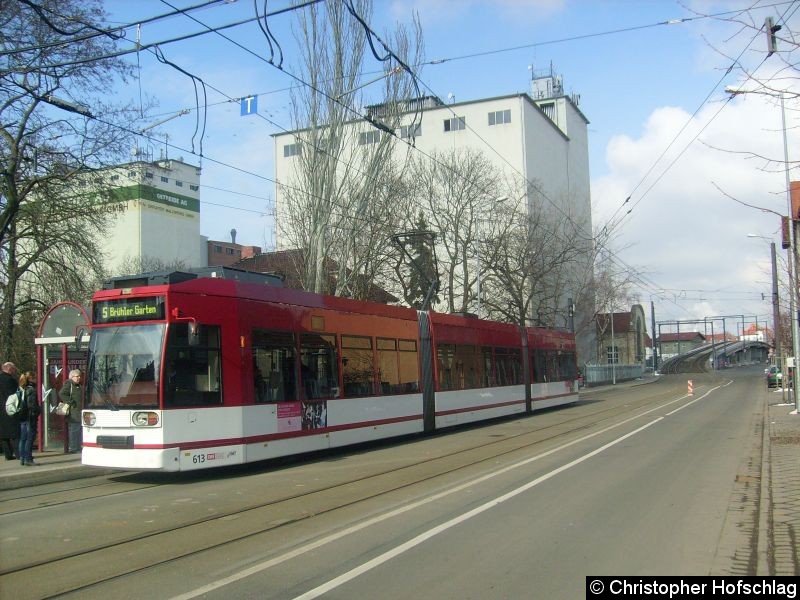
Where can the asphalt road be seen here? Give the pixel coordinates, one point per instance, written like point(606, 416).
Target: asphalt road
point(642, 480)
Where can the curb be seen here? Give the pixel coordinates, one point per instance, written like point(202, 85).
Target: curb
point(16, 481)
point(763, 564)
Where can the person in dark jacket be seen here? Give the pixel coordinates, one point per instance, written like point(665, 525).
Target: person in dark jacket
point(9, 425)
point(28, 418)
point(72, 394)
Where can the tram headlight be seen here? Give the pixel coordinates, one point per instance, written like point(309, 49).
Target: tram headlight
point(145, 419)
point(89, 419)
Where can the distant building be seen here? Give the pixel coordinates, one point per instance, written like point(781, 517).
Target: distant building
point(228, 253)
point(289, 265)
point(157, 207)
point(756, 333)
point(621, 336)
point(672, 344)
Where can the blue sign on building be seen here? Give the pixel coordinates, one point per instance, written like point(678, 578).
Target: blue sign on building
point(249, 106)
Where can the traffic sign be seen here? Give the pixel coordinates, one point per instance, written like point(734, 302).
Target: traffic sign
point(249, 106)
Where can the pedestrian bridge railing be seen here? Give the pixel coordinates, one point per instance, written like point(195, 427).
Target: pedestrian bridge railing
point(603, 374)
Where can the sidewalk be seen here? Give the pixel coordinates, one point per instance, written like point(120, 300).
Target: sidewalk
point(781, 507)
point(53, 467)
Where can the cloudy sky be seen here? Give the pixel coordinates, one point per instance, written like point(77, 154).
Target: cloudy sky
point(651, 77)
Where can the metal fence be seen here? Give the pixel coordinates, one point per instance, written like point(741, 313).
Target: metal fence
point(602, 374)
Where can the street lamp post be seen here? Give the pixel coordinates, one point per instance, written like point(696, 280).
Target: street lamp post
point(653, 328)
point(776, 316)
point(792, 238)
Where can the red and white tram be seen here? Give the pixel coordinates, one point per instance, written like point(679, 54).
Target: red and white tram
point(188, 372)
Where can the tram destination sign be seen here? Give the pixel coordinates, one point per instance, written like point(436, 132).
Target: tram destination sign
point(128, 309)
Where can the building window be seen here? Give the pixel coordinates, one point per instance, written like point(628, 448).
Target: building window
point(368, 137)
point(455, 124)
point(229, 251)
point(193, 187)
point(114, 177)
point(178, 183)
point(217, 248)
point(499, 117)
point(407, 131)
point(164, 179)
point(612, 354)
point(291, 150)
point(148, 175)
point(132, 174)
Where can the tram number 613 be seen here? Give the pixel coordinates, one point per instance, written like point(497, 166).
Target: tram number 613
point(198, 458)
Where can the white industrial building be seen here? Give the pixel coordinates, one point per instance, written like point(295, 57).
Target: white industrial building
point(540, 136)
point(157, 206)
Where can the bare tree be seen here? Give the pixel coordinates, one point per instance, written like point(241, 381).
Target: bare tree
point(767, 66)
point(132, 265)
point(612, 293)
point(457, 192)
point(503, 251)
point(345, 197)
point(535, 261)
point(55, 132)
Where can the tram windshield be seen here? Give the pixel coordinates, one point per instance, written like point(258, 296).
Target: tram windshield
point(124, 366)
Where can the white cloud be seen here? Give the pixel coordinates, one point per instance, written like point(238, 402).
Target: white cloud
point(686, 234)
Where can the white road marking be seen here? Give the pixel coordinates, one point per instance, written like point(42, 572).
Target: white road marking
point(386, 556)
point(669, 414)
point(299, 551)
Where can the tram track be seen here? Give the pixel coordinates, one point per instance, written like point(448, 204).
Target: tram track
point(163, 545)
point(79, 485)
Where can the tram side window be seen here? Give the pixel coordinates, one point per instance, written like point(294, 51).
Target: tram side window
point(472, 366)
point(446, 358)
point(460, 367)
point(357, 370)
point(509, 366)
point(274, 356)
point(488, 368)
point(539, 371)
point(552, 367)
point(567, 366)
point(194, 375)
point(398, 371)
point(409, 366)
point(319, 366)
point(388, 371)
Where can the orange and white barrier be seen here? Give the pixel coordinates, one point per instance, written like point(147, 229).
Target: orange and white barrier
point(691, 388)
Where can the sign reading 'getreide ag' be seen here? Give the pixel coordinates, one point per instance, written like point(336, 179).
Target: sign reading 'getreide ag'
point(146, 192)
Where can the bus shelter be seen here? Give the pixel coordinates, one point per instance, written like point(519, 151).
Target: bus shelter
point(61, 345)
